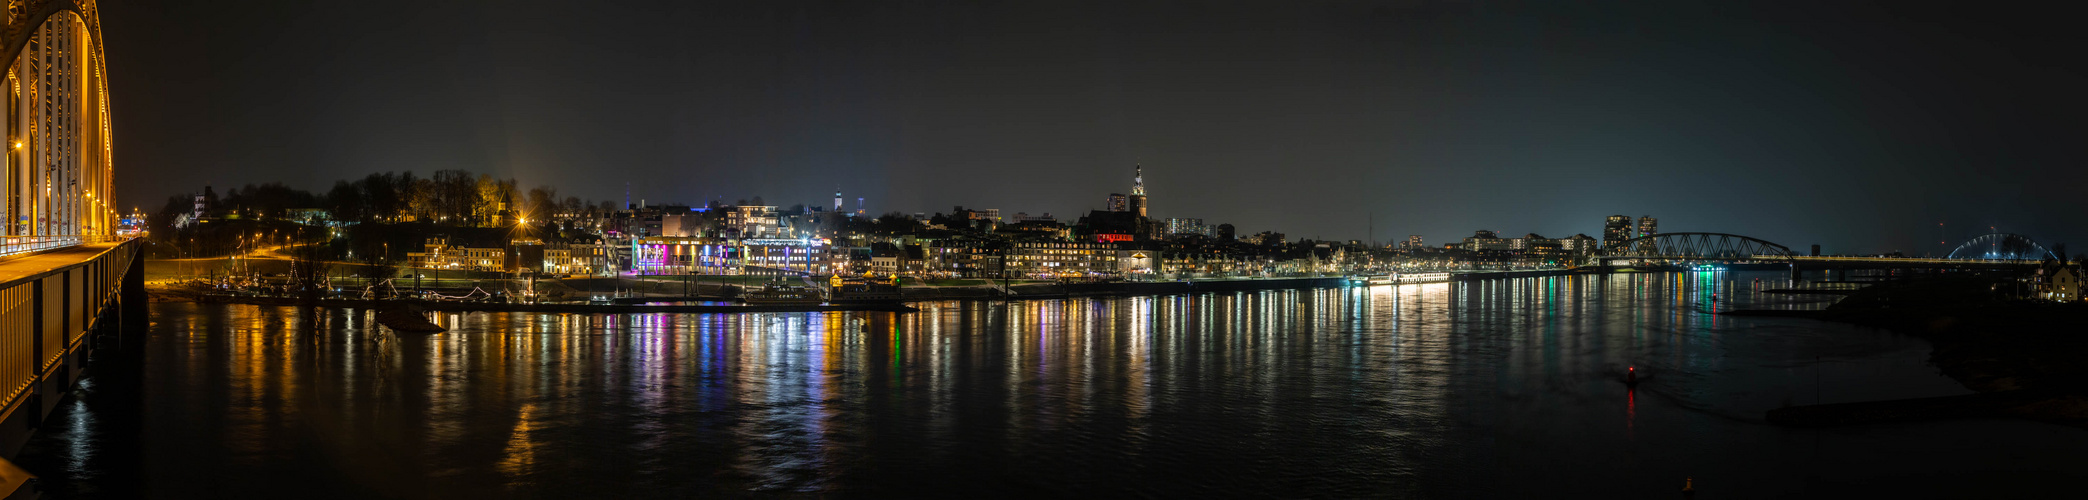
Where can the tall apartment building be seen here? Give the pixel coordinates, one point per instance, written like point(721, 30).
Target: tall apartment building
point(1184, 226)
point(1616, 228)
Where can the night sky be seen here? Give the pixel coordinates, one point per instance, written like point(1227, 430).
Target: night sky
point(1855, 127)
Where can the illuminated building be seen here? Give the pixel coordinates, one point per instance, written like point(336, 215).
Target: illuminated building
point(1119, 203)
point(1186, 226)
point(1578, 243)
point(1524, 243)
point(682, 255)
point(2058, 281)
point(784, 256)
point(1484, 240)
point(752, 221)
point(1617, 228)
point(1648, 226)
point(437, 253)
point(1061, 259)
point(1132, 262)
point(1138, 192)
point(890, 260)
point(575, 258)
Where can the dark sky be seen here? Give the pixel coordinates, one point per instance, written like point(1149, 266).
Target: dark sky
point(1856, 127)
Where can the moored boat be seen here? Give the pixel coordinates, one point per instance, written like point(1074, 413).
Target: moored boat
point(1410, 278)
point(776, 294)
point(863, 291)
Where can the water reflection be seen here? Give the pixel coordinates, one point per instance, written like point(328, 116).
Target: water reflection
point(1420, 390)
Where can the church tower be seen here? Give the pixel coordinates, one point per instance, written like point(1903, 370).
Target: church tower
point(1138, 194)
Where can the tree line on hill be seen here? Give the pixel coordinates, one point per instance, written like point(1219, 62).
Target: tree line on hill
point(455, 198)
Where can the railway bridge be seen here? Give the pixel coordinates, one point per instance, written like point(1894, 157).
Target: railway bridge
point(1986, 252)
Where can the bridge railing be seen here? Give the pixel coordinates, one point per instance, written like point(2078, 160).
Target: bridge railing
point(16, 245)
point(45, 315)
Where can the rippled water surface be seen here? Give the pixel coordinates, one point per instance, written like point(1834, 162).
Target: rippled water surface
point(1483, 389)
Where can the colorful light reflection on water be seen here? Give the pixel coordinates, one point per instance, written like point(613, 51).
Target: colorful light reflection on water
point(1482, 389)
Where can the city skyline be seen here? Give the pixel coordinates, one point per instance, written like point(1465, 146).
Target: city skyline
point(1407, 248)
point(1616, 227)
point(1314, 119)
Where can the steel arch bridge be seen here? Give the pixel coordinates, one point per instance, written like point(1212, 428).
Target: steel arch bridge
point(2002, 246)
point(57, 156)
point(1696, 247)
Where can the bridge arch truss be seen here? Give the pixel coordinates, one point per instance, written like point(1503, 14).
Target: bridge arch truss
point(2002, 246)
point(1696, 247)
point(55, 186)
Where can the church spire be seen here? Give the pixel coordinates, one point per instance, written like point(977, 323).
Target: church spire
point(1138, 180)
point(1138, 195)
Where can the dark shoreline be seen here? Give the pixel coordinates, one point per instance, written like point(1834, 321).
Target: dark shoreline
point(2024, 359)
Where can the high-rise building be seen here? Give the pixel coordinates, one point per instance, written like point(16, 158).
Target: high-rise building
point(1648, 226)
point(837, 200)
point(1617, 228)
point(1185, 226)
point(1119, 203)
point(1413, 242)
point(1138, 194)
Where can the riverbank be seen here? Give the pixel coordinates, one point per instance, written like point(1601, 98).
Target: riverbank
point(2026, 359)
point(652, 295)
point(164, 295)
point(1019, 290)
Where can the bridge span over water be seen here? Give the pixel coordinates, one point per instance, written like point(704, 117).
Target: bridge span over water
point(1987, 252)
point(64, 275)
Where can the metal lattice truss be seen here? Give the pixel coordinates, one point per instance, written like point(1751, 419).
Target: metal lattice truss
point(2002, 246)
point(1696, 247)
point(57, 154)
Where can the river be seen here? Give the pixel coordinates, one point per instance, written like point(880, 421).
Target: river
point(1491, 389)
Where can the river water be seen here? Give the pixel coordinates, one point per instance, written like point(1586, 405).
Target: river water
point(1490, 389)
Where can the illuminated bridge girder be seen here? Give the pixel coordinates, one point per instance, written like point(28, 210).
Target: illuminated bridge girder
point(2002, 246)
point(57, 167)
point(1696, 247)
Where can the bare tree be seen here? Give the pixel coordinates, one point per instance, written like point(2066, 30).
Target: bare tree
point(308, 269)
